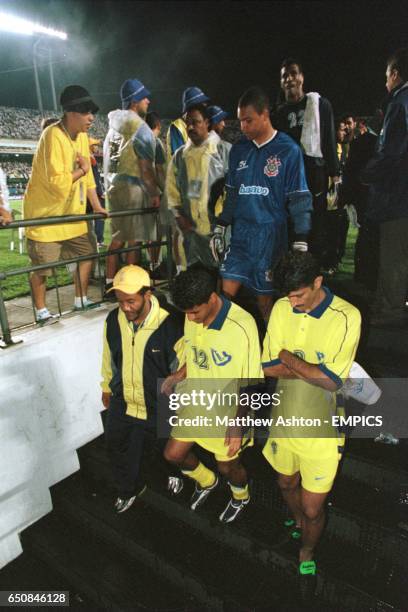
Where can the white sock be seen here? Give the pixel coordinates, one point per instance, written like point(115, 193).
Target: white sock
point(41, 310)
point(78, 302)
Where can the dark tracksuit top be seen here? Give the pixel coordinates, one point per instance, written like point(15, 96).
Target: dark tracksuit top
point(133, 361)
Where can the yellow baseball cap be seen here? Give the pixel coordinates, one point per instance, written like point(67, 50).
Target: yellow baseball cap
point(130, 279)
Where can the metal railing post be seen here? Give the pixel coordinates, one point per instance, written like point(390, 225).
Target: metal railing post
point(4, 321)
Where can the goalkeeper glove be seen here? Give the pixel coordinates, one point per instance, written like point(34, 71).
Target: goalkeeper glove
point(217, 242)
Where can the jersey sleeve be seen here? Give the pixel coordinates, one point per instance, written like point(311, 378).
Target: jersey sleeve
point(273, 342)
point(299, 198)
point(229, 200)
point(251, 365)
point(144, 143)
point(345, 342)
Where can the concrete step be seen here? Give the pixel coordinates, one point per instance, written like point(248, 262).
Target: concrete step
point(372, 556)
point(107, 580)
point(180, 551)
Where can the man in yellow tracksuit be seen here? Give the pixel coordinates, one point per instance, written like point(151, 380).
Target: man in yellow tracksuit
point(141, 345)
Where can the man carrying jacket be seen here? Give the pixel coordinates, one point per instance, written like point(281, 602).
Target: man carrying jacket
point(308, 119)
point(140, 346)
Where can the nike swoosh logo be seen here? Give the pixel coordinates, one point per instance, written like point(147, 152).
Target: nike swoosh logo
point(155, 350)
point(319, 477)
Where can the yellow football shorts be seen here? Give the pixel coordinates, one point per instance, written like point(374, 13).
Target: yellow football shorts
point(317, 474)
point(216, 446)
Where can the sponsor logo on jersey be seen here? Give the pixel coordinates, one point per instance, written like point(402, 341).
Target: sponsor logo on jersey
point(220, 359)
point(242, 165)
point(320, 356)
point(299, 353)
point(272, 166)
point(253, 189)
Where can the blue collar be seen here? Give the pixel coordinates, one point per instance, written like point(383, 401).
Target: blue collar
point(317, 312)
point(222, 315)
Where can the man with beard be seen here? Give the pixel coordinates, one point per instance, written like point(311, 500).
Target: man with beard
point(308, 118)
point(141, 345)
point(130, 178)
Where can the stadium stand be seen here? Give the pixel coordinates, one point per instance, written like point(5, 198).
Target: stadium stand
point(16, 169)
point(24, 123)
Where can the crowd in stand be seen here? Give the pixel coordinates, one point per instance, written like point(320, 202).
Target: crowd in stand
point(16, 169)
point(25, 123)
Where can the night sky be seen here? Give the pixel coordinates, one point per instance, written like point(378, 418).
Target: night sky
point(223, 47)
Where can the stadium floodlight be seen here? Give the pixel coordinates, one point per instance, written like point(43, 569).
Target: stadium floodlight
point(10, 23)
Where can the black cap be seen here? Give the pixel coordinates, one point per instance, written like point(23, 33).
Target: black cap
point(76, 99)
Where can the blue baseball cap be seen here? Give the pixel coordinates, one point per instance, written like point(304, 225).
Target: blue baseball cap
point(133, 90)
point(216, 114)
point(191, 96)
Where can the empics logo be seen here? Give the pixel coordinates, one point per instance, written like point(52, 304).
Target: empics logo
point(272, 166)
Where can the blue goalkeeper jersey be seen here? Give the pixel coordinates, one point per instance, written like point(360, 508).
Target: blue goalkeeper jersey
point(265, 183)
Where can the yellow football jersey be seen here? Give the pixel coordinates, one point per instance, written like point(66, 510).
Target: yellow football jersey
point(221, 359)
point(327, 337)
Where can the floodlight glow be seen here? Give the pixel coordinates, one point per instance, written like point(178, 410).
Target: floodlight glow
point(9, 23)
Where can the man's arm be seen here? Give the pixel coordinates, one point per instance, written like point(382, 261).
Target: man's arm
point(5, 215)
point(171, 381)
point(150, 180)
point(299, 199)
point(306, 371)
point(279, 371)
point(94, 201)
point(144, 145)
point(392, 148)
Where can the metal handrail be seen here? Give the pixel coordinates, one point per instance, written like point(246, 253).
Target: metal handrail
point(4, 323)
point(44, 221)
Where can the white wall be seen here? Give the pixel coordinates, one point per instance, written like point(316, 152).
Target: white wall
point(49, 407)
